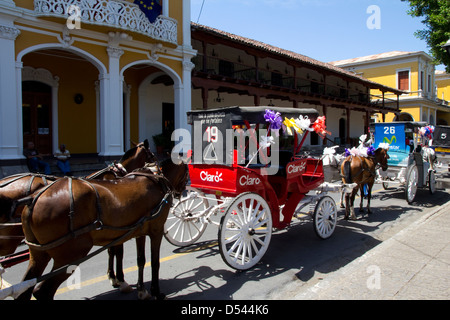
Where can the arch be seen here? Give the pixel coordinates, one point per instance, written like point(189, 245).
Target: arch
point(177, 89)
point(175, 77)
point(95, 61)
point(404, 116)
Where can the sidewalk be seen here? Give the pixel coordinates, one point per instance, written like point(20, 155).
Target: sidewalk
point(413, 264)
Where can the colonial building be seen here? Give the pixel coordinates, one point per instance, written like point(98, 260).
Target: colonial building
point(443, 92)
point(94, 75)
point(234, 70)
point(411, 72)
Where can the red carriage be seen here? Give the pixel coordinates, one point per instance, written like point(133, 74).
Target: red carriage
point(252, 196)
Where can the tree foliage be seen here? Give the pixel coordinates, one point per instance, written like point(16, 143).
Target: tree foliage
point(436, 14)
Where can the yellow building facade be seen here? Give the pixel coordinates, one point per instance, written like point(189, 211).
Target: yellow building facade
point(412, 72)
point(94, 75)
point(443, 88)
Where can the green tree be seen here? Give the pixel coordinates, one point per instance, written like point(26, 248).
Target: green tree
point(436, 14)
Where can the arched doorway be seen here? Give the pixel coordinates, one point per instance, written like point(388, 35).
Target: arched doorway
point(37, 115)
point(404, 117)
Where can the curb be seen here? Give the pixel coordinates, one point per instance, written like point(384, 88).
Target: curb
point(312, 293)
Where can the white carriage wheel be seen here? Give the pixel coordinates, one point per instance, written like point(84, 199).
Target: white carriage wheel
point(245, 231)
point(412, 180)
point(184, 226)
point(325, 217)
point(432, 182)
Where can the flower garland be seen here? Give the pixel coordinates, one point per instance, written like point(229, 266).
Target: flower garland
point(427, 132)
point(300, 125)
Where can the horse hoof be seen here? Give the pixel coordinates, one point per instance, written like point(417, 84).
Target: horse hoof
point(144, 295)
point(114, 282)
point(353, 218)
point(124, 287)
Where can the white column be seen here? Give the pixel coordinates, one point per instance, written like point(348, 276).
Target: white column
point(10, 111)
point(165, 8)
point(111, 107)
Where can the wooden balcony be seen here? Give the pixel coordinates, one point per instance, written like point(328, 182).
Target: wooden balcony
point(233, 72)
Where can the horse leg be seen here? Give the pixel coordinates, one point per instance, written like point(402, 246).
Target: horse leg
point(342, 199)
point(123, 286)
point(111, 275)
point(36, 266)
point(369, 196)
point(352, 204)
point(361, 204)
point(64, 255)
point(140, 248)
point(156, 239)
point(347, 205)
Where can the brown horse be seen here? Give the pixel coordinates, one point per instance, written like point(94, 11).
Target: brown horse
point(13, 188)
point(362, 171)
point(68, 218)
point(173, 172)
point(20, 186)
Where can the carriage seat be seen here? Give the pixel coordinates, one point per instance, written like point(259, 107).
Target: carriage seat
point(284, 158)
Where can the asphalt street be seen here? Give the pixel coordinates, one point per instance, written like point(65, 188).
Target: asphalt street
point(296, 259)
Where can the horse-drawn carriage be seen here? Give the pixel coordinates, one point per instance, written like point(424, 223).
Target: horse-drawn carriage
point(441, 146)
point(409, 160)
point(252, 196)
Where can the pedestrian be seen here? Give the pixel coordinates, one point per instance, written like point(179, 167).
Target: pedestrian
point(35, 159)
point(62, 155)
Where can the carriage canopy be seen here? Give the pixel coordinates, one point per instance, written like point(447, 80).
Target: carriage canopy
point(215, 130)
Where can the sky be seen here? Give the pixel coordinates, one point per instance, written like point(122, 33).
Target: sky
point(325, 30)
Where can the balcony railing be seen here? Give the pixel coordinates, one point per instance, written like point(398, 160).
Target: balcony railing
point(113, 13)
point(214, 66)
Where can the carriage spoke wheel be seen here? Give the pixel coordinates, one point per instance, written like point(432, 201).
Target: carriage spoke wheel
point(432, 182)
point(245, 231)
point(325, 217)
point(184, 225)
point(412, 179)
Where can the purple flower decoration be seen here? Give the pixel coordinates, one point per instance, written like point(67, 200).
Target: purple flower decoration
point(347, 153)
point(274, 118)
point(371, 151)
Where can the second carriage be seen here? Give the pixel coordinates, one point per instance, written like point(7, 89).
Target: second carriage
point(410, 161)
point(250, 197)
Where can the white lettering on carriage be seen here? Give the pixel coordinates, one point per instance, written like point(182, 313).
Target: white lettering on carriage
point(205, 176)
point(296, 169)
point(248, 181)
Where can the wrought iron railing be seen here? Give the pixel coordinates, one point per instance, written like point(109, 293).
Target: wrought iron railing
point(113, 13)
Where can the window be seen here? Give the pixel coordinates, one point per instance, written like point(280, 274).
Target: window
point(403, 80)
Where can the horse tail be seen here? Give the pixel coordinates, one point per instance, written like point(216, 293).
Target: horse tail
point(347, 172)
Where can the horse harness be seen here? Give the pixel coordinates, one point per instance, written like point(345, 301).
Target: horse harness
point(363, 169)
point(16, 222)
point(98, 224)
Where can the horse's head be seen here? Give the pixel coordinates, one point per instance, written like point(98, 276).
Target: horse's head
point(138, 156)
point(381, 157)
point(177, 174)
